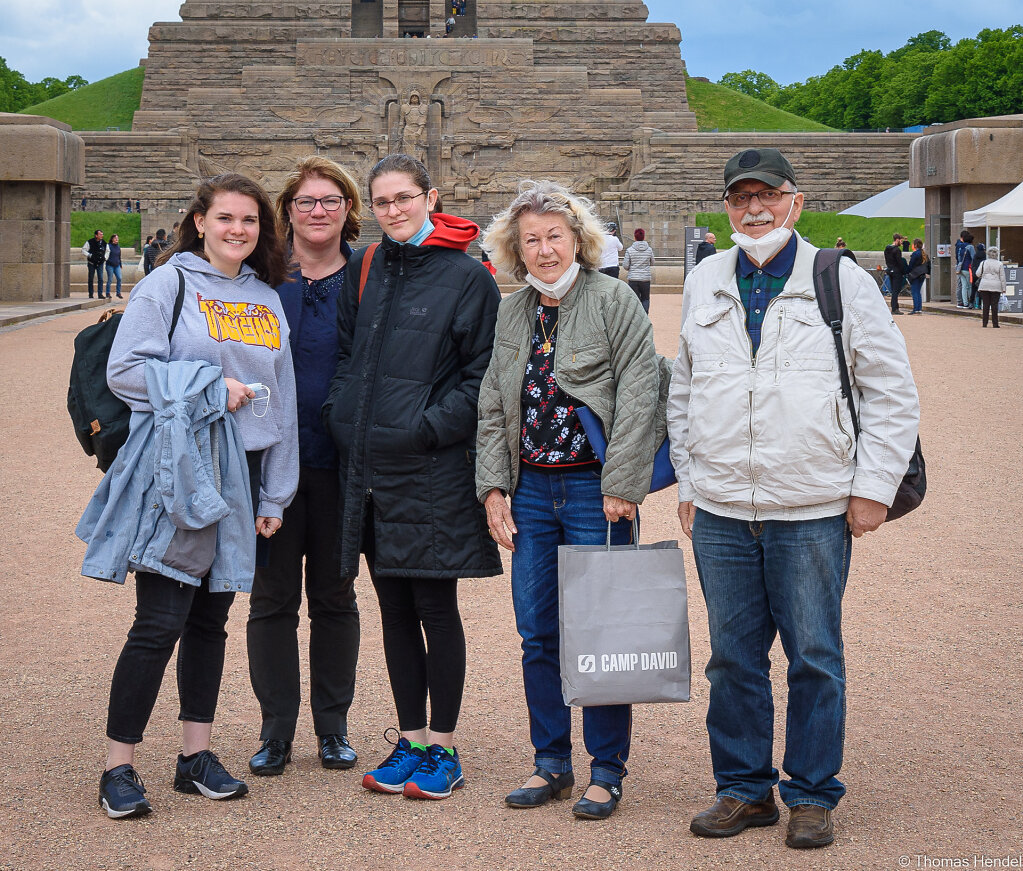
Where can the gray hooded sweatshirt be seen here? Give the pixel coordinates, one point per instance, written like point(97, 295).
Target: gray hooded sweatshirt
point(237, 324)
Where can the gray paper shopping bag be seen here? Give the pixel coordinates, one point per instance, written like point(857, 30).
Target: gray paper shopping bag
point(624, 624)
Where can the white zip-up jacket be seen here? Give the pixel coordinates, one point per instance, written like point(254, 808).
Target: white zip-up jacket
point(772, 438)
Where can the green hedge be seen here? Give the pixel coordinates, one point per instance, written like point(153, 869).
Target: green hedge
point(127, 227)
point(822, 228)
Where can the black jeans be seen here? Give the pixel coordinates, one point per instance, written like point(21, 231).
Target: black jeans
point(989, 302)
point(613, 271)
point(96, 269)
point(167, 611)
point(410, 607)
point(898, 279)
point(642, 290)
point(309, 530)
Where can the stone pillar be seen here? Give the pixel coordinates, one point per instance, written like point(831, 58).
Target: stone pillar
point(40, 159)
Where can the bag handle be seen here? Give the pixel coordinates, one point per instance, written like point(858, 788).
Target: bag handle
point(367, 262)
point(635, 533)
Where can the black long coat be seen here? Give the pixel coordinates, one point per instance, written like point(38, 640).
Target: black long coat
point(402, 411)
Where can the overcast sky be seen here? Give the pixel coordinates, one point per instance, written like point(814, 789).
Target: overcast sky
point(789, 41)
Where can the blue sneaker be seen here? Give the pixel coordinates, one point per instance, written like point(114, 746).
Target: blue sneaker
point(395, 769)
point(205, 774)
point(437, 777)
point(121, 793)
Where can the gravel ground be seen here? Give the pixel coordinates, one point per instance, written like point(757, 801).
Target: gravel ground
point(932, 629)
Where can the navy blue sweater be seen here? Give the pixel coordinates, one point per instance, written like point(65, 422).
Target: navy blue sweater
point(311, 310)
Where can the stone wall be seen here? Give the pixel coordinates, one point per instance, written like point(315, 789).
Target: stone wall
point(39, 161)
point(683, 176)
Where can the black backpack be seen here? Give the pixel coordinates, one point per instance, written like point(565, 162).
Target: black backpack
point(829, 300)
point(102, 419)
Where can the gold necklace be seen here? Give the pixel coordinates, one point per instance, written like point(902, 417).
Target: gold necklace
point(546, 346)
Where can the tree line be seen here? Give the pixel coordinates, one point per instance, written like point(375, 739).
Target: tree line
point(927, 81)
point(17, 92)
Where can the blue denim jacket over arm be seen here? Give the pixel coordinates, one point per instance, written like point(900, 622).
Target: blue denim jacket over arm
point(176, 501)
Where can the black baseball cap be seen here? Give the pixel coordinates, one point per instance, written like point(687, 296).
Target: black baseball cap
point(768, 165)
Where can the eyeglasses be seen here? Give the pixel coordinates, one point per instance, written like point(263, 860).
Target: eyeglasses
point(769, 197)
point(307, 204)
point(403, 202)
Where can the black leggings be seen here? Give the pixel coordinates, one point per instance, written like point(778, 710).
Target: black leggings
point(989, 302)
point(408, 608)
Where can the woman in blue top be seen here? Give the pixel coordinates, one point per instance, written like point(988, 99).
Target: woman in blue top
point(320, 209)
point(114, 264)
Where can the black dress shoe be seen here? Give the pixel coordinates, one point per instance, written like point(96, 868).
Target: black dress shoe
point(271, 757)
point(587, 809)
point(558, 786)
point(336, 752)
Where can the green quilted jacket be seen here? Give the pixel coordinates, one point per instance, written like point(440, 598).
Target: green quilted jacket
point(604, 359)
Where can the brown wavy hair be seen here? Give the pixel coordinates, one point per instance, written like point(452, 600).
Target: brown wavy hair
point(269, 259)
point(320, 167)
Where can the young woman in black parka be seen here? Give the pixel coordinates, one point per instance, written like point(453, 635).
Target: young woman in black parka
point(414, 344)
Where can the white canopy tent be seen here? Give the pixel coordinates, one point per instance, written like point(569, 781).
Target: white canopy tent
point(1007, 211)
point(900, 201)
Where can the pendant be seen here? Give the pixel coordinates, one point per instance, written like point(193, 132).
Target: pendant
point(546, 347)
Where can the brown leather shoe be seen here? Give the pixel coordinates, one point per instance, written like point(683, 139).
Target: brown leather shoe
point(728, 816)
point(810, 825)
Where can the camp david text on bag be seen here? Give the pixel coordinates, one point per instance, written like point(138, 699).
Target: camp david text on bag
point(624, 623)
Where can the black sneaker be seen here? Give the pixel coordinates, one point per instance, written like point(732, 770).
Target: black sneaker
point(204, 773)
point(122, 794)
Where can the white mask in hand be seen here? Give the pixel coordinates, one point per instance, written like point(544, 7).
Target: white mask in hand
point(763, 249)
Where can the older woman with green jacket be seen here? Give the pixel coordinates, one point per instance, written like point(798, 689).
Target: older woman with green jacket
point(572, 336)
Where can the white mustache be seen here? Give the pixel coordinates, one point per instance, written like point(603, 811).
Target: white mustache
point(750, 218)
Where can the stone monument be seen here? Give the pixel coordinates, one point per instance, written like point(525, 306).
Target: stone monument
point(40, 159)
point(588, 93)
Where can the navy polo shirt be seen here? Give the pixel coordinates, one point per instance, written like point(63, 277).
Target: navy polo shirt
point(759, 285)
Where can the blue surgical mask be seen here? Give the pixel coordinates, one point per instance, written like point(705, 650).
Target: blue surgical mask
point(420, 237)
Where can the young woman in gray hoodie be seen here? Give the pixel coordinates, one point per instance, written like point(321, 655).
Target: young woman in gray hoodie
point(231, 256)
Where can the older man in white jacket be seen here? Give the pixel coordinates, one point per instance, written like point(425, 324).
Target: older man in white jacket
point(773, 486)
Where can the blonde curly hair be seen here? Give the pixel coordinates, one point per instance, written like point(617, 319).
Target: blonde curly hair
point(501, 238)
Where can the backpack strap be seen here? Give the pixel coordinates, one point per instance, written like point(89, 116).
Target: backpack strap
point(827, 289)
point(179, 301)
point(367, 262)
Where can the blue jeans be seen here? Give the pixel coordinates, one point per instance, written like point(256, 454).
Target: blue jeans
point(550, 510)
point(915, 288)
point(762, 579)
point(965, 288)
point(111, 272)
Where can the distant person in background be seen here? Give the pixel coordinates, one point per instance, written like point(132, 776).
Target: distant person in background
point(485, 258)
point(965, 253)
point(978, 259)
point(919, 269)
point(991, 285)
point(895, 268)
point(706, 247)
point(639, 264)
point(840, 243)
point(156, 248)
point(114, 264)
point(127, 206)
point(138, 207)
point(173, 237)
point(612, 248)
point(95, 251)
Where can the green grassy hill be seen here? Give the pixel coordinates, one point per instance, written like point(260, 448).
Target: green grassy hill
point(127, 227)
point(110, 102)
point(721, 108)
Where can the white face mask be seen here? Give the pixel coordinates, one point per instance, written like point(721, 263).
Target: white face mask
point(560, 287)
point(763, 249)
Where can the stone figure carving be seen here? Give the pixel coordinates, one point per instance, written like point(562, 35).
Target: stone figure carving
point(414, 115)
